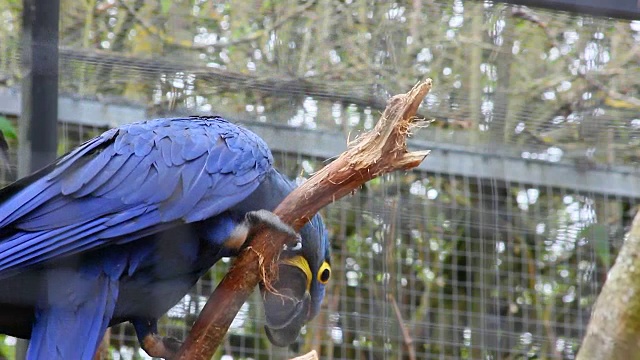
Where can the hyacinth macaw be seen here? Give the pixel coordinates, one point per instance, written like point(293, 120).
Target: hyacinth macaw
point(122, 227)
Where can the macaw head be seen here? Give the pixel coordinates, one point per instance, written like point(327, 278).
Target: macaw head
point(303, 272)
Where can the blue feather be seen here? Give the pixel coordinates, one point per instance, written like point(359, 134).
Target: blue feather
point(148, 219)
point(63, 211)
point(167, 182)
point(127, 215)
point(194, 147)
point(26, 201)
point(146, 185)
point(59, 324)
point(190, 174)
point(112, 162)
point(164, 144)
point(123, 170)
point(31, 248)
point(132, 181)
point(143, 146)
point(71, 184)
point(122, 144)
point(176, 151)
point(68, 160)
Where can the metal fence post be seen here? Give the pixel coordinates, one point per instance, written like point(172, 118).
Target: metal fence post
point(38, 124)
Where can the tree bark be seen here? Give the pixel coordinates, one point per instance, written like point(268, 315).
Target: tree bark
point(614, 329)
point(377, 152)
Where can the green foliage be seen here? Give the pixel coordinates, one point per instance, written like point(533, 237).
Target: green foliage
point(6, 351)
point(598, 236)
point(165, 6)
point(7, 128)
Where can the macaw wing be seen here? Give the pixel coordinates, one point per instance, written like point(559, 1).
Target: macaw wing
point(128, 183)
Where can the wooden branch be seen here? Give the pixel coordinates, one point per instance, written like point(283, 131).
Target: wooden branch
point(379, 151)
point(614, 328)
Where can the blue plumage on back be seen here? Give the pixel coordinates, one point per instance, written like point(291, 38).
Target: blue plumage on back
point(126, 183)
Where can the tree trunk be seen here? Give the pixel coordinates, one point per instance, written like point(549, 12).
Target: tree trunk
point(614, 328)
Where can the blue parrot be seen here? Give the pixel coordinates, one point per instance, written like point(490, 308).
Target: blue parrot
point(121, 228)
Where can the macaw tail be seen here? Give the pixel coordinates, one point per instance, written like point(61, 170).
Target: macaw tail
point(73, 324)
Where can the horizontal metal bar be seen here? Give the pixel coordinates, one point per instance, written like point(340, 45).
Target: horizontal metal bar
point(457, 161)
point(444, 158)
point(78, 111)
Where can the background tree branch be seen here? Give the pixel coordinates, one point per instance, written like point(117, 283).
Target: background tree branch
point(379, 151)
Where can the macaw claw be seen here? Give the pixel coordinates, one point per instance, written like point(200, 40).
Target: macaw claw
point(254, 220)
point(273, 221)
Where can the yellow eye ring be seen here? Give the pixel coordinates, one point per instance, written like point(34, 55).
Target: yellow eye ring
point(324, 274)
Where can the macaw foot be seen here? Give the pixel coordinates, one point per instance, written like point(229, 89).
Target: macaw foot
point(256, 219)
point(161, 347)
point(273, 221)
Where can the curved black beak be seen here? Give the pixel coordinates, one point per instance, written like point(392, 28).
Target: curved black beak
point(286, 310)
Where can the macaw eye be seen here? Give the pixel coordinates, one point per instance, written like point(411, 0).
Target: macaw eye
point(296, 247)
point(324, 273)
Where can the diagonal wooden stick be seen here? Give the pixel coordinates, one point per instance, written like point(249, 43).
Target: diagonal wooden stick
point(379, 151)
point(406, 336)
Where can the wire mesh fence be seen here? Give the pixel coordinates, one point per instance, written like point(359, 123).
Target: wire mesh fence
point(426, 264)
point(451, 267)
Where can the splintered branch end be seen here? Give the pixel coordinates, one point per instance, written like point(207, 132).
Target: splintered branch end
point(386, 145)
point(412, 159)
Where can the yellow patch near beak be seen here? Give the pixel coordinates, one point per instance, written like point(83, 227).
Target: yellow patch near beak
point(302, 264)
